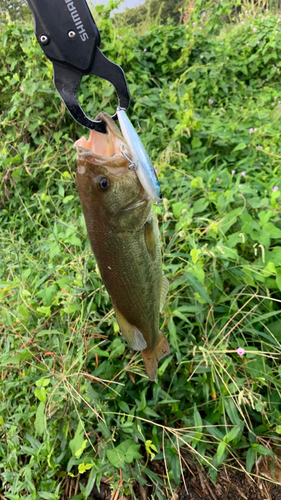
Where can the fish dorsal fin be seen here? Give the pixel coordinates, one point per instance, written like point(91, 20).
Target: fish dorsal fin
point(131, 333)
point(149, 238)
point(164, 291)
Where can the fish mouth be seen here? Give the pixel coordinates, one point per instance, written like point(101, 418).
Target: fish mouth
point(114, 164)
point(102, 146)
point(137, 204)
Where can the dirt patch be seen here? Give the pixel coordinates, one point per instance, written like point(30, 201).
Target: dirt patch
point(231, 484)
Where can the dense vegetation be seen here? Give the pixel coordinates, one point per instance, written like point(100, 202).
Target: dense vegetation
point(17, 9)
point(168, 11)
point(74, 401)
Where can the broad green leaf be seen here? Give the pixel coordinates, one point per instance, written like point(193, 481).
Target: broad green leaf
point(214, 431)
point(101, 352)
point(259, 407)
point(94, 479)
point(200, 205)
point(47, 294)
point(68, 198)
point(40, 419)
point(220, 451)
point(231, 435)
point(162, 368)
point(240, 146)
point(181, 316)
point(197, 419)
point(228, 221)
point(126, 452)
point(198, 271)
point(115, 457)
point(231, 411)
point(173, 333)
point(46, 311)
point(262, 450)
point(47, 495)
point(198, 287)
point(197, 182)
point(176, 469)
point(76, 443)
point(250, 459)
point(195, 253)
point(273, 230)
point(74, 240)
point(41, 394)
point(81, 449)
point(150, 449)
point(198, 426)
point(196, 143)
point(42, 382)
point(124, 407)
point(264, 216)
point(130, 449)
point(278, 277)
point(269, 269)
point(178, 207)
point(17, 358)
point(84, 467)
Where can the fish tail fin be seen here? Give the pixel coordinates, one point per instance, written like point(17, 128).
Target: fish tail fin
point(152, 356)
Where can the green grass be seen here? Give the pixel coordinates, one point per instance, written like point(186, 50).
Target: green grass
point(73, 397)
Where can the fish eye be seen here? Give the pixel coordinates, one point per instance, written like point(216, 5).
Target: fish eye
point(102, 183)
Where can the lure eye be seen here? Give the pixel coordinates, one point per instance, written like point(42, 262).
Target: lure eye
point(102, 183)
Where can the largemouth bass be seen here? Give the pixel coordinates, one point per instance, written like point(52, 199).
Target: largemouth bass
point(124, 237)
point(141, 161)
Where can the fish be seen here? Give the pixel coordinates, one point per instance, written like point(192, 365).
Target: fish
point(124, 237)
point(139, 158)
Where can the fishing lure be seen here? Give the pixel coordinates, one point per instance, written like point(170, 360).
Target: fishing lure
point(139, 158)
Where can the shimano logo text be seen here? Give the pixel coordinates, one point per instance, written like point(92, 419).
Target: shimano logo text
point(77, 20)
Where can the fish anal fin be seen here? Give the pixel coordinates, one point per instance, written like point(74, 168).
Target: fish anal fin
point(152, 356)
point(164, 291)
point(131, 333)
point(140, 343)
point(149, 237)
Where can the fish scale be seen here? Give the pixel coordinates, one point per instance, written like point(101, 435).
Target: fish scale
point(132, 281)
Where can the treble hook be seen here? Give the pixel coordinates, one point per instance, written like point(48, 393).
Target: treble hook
point(132, 165)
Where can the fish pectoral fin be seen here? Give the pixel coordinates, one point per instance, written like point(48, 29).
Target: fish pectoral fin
point(149, 238)
point(131, 333)
point(152, 356)
point(164, 291)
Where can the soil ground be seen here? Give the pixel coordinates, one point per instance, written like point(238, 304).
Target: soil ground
point(232, 484)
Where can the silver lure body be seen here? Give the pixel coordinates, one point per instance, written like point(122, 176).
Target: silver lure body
point(144, 168)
